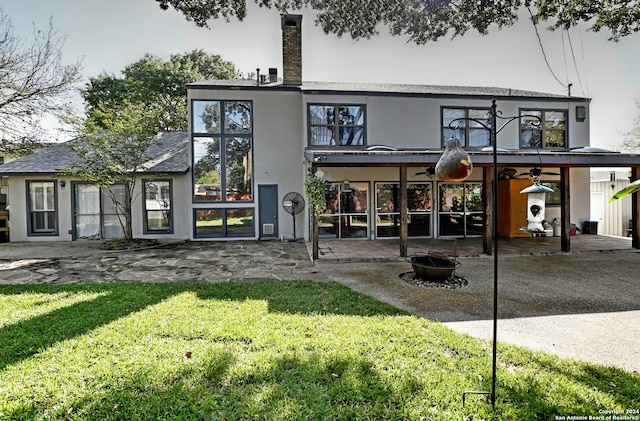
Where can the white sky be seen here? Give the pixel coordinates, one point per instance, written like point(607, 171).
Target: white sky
point(111, 34)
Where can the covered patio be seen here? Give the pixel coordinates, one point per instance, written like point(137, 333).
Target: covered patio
point(402, 160)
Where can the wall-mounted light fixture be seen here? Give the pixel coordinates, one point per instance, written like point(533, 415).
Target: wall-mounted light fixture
point(62, 183)
point(612, 178)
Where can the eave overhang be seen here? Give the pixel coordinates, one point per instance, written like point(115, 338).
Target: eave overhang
point(332, 157)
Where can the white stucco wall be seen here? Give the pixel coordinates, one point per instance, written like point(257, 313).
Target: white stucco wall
point(278, 149)
point(18, 213)
point(408, 122)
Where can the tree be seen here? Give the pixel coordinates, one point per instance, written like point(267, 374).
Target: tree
point(632, 137)
point(33, 82)
point(428, 20)
point(157, 85)
point(112, 153)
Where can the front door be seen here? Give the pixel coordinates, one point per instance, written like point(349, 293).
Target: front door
point(268, 210)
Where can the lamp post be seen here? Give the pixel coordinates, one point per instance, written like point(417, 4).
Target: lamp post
point(491, 124)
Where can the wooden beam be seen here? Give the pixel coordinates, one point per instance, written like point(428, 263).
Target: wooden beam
point(487, 191)
point(404, 204)
point(565, 209)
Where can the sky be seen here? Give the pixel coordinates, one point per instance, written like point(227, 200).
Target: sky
point(111, 34)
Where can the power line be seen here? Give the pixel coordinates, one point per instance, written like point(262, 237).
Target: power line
point(575, 64)
point(544, 54)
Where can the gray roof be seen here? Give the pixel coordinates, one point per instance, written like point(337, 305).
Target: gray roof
point(169, 155)
point(386, 89)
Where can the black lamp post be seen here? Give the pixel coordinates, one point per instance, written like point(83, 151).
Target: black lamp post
point(491, 124)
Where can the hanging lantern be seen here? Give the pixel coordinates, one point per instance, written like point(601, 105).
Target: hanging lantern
point(455, 163)
point(536, 206)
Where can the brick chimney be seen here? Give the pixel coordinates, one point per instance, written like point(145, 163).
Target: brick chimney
point(292, 49)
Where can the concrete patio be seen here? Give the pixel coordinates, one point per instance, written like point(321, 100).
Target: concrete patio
point(363, 250)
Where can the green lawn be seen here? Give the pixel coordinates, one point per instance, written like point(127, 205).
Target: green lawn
point(267, 351)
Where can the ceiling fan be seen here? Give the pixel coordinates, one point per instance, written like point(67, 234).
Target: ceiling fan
point(429, 172)
point(534, 173)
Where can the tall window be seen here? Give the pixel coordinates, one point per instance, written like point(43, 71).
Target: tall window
point(550, 133)
point(222, 151)
point(471, 134)
point(157, 206)
point(346, 214)
point(336, 125)
point(42, 208)
point(460, 211)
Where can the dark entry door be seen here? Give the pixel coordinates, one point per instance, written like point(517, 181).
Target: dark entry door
point(268, 206)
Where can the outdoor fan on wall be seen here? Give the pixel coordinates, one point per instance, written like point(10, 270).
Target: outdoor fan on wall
point(293, 203)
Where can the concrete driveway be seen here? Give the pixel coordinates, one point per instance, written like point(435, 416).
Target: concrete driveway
point(584, 306)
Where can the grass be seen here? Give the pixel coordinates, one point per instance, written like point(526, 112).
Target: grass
point(294, 350)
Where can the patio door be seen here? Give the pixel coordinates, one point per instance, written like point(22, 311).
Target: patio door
point(460, 210)
point(86, 215)
point(95, 214)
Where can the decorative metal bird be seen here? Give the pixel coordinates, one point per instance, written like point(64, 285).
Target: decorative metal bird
point(631, 188)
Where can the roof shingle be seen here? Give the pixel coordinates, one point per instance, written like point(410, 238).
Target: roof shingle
point(168, 155)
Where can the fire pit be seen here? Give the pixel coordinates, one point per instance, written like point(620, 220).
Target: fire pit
point(433, 268)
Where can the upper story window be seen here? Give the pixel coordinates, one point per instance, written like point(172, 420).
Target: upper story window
point(471, 134)
point(222, 150)
point(337, 125)
point(550, 133)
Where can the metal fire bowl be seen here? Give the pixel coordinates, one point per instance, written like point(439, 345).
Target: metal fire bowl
point(432, 268)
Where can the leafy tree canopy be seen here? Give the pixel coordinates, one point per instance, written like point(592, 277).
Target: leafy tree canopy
point(34, 83)
point(113, 153)
point(428, 20)
point(632, 137)
point(155, 84)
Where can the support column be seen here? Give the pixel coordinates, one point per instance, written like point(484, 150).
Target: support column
point(403, 211)
point(487, 192)
point(635, 212)
point(565, 209)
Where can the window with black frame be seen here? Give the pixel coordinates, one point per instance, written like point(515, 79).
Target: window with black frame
point(460, 211)
point(388, 210)
point(336, 125)
point(42, 207)
point(346, 214)
point(222, 151)
point(157, 206)
point(543, 129)
point(552, 199)
point(471, 134)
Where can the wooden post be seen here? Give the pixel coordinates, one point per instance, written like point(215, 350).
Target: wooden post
point(316, 247)
point(635, 212)
point(565, 209)
point(403, 211)
point(487, 191)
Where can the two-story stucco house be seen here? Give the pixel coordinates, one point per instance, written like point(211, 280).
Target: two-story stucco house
point(251, 142)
